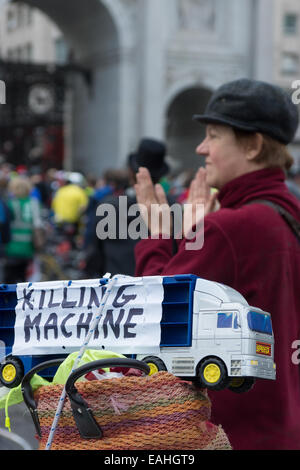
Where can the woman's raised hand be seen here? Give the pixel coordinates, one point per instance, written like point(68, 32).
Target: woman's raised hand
point(153, 204)
point(201, 201)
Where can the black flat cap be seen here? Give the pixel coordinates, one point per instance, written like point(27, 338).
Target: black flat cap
point(253, 106)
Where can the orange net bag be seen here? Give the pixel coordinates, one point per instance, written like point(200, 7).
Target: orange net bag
point(158, 412)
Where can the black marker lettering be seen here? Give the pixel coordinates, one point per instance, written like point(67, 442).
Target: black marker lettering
point(42, 298)
point(26, 298)
point(82, 292)
point(65, 303)
point(83, 325)
point(109, 318)
point(51, 324)
point(93, 298)
point(126, 298)
point(51, 304)
point(29, 324)
point(63, 325)
point(132, 313)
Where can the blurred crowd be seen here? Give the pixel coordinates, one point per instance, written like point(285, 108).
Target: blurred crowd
point(48, 221)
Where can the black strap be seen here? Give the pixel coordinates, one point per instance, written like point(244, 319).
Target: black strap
point(287, 217)
point(82, 414)
point(28, 392)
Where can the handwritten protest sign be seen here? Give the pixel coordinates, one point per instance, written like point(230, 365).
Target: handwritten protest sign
point(54, 317)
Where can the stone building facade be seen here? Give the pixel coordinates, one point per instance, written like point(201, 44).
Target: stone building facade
point(154, 64)
point(27, 35)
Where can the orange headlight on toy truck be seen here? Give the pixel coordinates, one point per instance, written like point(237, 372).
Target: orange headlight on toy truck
point(263, 348)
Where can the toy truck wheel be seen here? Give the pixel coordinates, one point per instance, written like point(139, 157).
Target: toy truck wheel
point(241, 384)
point(155, 364)
point(11, 372)
point(212, 374)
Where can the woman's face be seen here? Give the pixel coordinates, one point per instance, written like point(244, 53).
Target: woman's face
point(225, 159)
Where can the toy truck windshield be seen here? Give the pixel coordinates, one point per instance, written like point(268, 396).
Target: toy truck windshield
point(260, 322)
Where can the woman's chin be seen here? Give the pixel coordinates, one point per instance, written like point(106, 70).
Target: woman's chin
point(211, 181)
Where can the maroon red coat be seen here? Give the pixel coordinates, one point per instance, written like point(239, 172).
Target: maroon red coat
point(252, 249)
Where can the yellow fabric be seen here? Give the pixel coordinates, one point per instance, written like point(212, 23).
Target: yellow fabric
point(69, 202)
point(89, 355)
point(14, 395)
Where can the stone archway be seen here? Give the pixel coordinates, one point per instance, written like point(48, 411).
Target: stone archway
point(181, 132)
point(98, 33)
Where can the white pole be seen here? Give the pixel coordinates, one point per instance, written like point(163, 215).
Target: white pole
point(78, 358)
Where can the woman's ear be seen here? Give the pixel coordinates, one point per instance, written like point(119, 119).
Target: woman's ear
point(254, 146)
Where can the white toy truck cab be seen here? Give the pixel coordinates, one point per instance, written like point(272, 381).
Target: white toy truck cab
point(209, 332)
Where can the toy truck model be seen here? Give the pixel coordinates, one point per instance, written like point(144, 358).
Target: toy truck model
point(208, 333)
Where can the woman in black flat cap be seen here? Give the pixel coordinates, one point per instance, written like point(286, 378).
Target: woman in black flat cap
point(251, 243)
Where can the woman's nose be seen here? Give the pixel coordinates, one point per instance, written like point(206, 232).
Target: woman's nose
point(202, 148)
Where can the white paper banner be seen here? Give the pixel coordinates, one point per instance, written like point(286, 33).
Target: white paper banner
point(54, 317)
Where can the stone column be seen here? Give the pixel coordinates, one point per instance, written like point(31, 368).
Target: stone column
point(152, 67)
point(263, 40)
